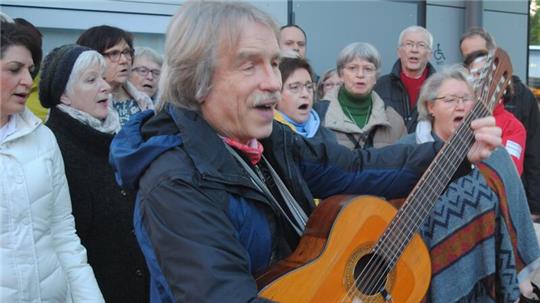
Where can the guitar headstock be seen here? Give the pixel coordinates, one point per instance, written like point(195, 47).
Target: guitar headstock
point(494, 78)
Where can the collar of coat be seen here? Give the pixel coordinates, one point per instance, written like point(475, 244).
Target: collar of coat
point(337, 120)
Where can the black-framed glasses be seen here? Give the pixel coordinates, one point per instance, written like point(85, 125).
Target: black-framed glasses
point(296, 87)
point(453, 100)
point(114, 55)
point(143, 71)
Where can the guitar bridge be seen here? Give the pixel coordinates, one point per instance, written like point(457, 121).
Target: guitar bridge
point(386, 295)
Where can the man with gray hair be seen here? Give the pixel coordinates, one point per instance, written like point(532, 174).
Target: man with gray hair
point(223, 191)
point(401, 87)
point(475, 39)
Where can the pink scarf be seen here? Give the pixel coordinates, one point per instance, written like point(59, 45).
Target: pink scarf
point(253, 150)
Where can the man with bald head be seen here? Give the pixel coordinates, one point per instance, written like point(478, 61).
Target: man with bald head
point(292, 37)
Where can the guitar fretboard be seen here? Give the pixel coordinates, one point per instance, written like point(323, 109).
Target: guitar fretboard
point(496, 75)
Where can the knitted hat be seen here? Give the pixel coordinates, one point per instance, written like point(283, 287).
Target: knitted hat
point(55, 72)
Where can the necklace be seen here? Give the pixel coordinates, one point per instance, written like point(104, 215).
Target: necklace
point(351, 117)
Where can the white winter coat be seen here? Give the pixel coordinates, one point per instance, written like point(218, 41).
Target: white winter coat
point(41, 257)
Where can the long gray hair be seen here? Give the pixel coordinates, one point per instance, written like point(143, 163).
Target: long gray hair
point(195, 36)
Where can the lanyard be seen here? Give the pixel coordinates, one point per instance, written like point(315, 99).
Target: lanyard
point(299, 217)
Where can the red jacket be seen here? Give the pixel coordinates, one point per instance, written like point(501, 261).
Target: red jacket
point(514, 135)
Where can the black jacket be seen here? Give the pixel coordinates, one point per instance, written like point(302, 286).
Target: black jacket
point(523, 105)
point(103, 211)
point(392, 91)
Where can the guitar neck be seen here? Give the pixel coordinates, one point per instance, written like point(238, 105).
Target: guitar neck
point(428, 189)
point(493, 80)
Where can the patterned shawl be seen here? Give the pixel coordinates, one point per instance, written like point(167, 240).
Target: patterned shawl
point(480, 236)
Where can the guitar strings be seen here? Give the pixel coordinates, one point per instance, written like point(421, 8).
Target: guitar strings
point(391, 232)
point(407, 234)
point(381, 249)
point(492, 102)
point(494, 99)
point(425, 193)
point(441, 187)
point(422, 195)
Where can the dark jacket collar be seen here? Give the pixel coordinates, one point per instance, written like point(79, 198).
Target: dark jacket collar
point(201, 142)
point(396, 69)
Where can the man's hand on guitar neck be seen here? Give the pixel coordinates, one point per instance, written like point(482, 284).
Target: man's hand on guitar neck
point(487, 137)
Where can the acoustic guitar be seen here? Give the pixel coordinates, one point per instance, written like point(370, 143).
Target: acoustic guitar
point(361, 249)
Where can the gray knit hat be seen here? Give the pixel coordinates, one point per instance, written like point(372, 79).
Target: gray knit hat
point(55, 72)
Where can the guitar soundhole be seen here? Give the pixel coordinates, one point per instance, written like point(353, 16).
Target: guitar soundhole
point(370, 274)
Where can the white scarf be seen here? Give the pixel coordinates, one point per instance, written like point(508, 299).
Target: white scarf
point(423, 132)
point(111, 124)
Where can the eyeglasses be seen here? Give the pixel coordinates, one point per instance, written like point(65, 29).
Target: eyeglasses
point(366, 70)
point(411, 44)
point(114, 55)
point(453, 100)
point(296, 87)
point(143, 71)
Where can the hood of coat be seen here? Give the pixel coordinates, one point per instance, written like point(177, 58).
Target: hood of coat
point(131, 154)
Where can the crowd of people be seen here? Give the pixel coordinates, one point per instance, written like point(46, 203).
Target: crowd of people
point(131, 176)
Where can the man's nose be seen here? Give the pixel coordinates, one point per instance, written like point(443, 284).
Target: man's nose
point(272, 79)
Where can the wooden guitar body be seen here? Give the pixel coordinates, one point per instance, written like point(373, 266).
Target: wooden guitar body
point(323, 268)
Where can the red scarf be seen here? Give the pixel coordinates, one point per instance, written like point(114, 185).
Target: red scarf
point(413, 86)
point(253, 150)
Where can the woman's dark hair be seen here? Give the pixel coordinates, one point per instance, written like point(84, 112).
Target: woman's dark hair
point(104, 37)
point(21, 35)
point(287, 66)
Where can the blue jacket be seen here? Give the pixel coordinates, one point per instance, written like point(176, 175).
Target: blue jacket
point(203, 226)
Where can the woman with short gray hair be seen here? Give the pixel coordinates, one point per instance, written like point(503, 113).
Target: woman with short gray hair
point(355, 112)
point(146, 70)
point(327, 82)
point(451, 81)
point(429, 90)
point(490, 198)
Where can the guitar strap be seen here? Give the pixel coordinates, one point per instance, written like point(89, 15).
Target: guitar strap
point(299, 217)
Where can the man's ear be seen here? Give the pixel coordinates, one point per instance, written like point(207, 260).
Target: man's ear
point(65, 99)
